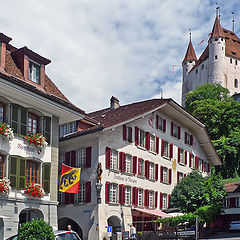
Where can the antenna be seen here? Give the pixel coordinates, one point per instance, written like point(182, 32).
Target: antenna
point(161, 93)
point(190, 34)
point(233, 21)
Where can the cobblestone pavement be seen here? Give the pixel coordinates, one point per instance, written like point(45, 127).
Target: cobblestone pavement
point(225, 235)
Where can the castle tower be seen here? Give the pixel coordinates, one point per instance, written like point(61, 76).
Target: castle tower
point(187, 64)
point(216, 45)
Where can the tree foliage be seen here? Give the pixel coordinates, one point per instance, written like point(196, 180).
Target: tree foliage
point(36, 230)
point(196, 191)
point(211, 104)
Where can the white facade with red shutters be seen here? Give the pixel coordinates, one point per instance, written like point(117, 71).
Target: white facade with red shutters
point(143, 157)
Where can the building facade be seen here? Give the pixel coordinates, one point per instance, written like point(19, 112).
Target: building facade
point(30, 103)
point(219, 62)
point(131, 160)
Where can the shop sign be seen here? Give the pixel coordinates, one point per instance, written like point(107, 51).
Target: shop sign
point(26, 148)
point(124, 178)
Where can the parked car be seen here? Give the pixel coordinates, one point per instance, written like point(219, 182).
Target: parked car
point(59, 235)
point(234, 226)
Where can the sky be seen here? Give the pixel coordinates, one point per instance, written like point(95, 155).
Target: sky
point(121, 48)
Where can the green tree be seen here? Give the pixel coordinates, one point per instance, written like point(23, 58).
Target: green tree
point(212, 105)
point(36, 230)
point(196, 191)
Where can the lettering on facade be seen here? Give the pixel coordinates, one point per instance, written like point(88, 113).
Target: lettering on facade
point(124, 178)
point(26, 148)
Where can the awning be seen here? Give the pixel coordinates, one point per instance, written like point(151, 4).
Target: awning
point(4, 217)
point(154, 212)
point(176, 214)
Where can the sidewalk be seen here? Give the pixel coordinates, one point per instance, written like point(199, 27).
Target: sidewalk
point(225, 235)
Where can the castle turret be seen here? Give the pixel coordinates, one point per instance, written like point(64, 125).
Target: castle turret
point(217, 53)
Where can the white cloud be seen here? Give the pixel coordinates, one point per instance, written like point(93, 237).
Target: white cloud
point(101, 48)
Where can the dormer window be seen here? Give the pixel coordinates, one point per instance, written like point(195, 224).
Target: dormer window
point(34, 72)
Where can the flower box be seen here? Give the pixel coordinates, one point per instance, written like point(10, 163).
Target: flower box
point(38, 140)
point(35, 190)
point(6, 131)
point(5, 186)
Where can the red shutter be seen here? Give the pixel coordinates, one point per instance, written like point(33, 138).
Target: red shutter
point(171, 150)
point(120, 161)
point(156, 172)
point(67, 158)
point(169, 199)
point(123, 194)
point(164, 125)
point(202, 165)
point(232, 202)
point(178, 173)
point(124, 133)
point(88, 157)
point(156, 199)
point(170, 176)
point(120, 194)
point(147, 140)
point(73, 159)
point(134, 170)
point(185, 157)
point(146, 168)
point(162, 148)
point(161, 175)
point(196, 162)
point(130, 135)
point(133, 195)
point(179, 154)
point(136, 196)
point(136, 136)
point(157, 122)
point(107, 193)
point(145, 197)
point(161, 200)
point(190, 162)
point(157, 145)
point(185, 138)
point(171, 128)
point(88, 191)
point(123, 162)
point(108, 157)
point(179, 132)
point(191, 139)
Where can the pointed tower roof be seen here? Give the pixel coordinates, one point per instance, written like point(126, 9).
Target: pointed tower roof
point(217, 30)
point(190, 54)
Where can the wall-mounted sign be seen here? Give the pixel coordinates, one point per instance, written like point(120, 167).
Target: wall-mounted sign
point(124, 178)
point(26, 148)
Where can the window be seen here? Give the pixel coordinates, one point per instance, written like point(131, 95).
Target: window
point(236, 62)
point(151, 171)
point(81, 157)
point(1, 166)
point(128, 195)
point(140, 197)
point(1, 112)
point(166, 149)
point(32, 172)
point(165, 175)
point(231, 60)
point(196, 71)
point(152, 143)
point(140, 167)
point(114, 160)
point(226, 202)
point(81, 195)
point(188, 139)
point(236, 83)
point(141, 138)
point(151, 199)
point(34, 72)
point(164, 201)
point(202, 66)
point(113, 193)
point(192, 161)
point(128, 163)
point(215, 56)
point(161, 123)
point(32, 123)
point(237, 202)
point(200, 164)
point(19, 119)
point(129, 134)
point(179, 176)
point(67, 129)
point(175, 130)
point(181, 156)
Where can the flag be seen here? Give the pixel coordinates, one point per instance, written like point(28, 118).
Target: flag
point(69, 180)
point(205, 38)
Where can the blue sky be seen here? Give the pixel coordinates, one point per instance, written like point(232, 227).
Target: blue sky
point(124, 48)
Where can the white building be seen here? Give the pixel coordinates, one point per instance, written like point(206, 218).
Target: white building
point(219, 62)
point(29, 102)
point(144, 149)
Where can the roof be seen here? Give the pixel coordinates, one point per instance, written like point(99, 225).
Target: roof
point(233, 187)
point(14, 74)
point(153, 212)
point(217, 30)
point(190, 54)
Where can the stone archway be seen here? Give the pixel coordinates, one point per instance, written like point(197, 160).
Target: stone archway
point(116, 225)
point(64, 222)
point(28, 214)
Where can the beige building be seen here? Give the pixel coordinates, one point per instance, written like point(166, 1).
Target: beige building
point(30, 103)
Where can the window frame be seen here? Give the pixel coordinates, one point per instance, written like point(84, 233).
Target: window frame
point(140, 197)
point(2, 112)
point(175, 130)
point(165, 177)
point(113, 193)
point(160, 123)
point(128, 195)
point(114, 159)
point(34, 77)
point(152, 143)
point(151, 171)
point(141, 138)
point(128, 163)
point(80, 197)
point(32, 168)
point(236, 83)
point(141, 166)
point(33, 117)
point(226, 202)
point(164, 201)
point(166, 151)
point(81, 159)
point(2, 165)
point(151, 199)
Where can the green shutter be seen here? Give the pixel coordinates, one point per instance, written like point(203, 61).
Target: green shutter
point(46, 177)
point(13, 172)
point(22, 173)
point(47, 129)
point(23, 122)
point(14, 118)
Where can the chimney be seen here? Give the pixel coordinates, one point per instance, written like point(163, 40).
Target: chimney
point(114, 103)
point(4, 40)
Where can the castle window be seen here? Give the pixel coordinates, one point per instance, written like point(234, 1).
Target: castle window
point(216, 39)
point(236, 62)
point(211, 41)
point(236, 83)
point(190, 61)
point(196, 71)
point(202, 66)
point(231, 60)
point(222, 48)
point(215, 56)
point(34, 72)
point(221, 39)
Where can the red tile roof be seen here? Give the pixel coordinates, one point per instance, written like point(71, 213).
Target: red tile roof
point(190, 54)
point(233, 187)
point(108, 117)
point(217, 30)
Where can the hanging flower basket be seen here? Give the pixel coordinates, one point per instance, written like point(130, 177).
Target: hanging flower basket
point(35, 190)
point(5, 186)
point(6, 131)
point(38, 140)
